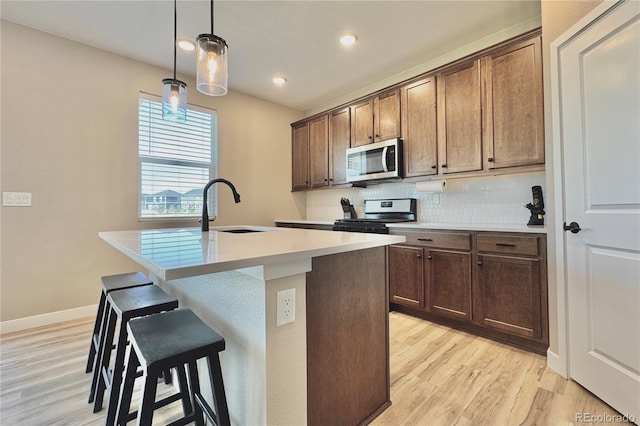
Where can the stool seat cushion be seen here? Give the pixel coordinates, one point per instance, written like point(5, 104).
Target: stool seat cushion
point(134, 302)
point(173, 335)
point(121, 281)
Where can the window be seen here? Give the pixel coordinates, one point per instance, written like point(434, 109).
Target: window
point(176, 160)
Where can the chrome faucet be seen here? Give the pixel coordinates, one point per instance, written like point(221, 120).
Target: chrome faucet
point(205, 213)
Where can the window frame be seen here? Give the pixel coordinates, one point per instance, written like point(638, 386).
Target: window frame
point(212, 166)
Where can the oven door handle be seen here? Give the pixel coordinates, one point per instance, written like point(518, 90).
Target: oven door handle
point(384, 159)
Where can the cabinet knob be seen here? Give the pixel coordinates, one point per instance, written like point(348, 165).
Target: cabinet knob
point(480, 263)
point(377, 136)
point(429, 257)
point(419, 256)
point(326, 180)
point(434, 166)
point(370, 137)
point(444, 166)
point(490, 159)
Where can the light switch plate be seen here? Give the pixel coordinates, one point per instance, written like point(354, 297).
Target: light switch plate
point(16, 199)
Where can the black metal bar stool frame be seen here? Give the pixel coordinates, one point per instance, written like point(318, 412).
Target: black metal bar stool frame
point(186, 339)
point(110, 283)
point(122, 305)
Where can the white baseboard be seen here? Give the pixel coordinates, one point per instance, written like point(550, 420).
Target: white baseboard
point(47, 319)
point(557, 363)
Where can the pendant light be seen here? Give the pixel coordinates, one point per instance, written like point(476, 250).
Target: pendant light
point(211, 65)
point(174, 91)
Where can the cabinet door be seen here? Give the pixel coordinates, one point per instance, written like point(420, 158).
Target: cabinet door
point(319, 152)
point(339, 141)
point(513, 127)
point(386, 116)
point(449, 283)
point(362, 123)
point(509, 294)
point(419, 130)
point(300, 156)
point(406, 276)
point(459, 119)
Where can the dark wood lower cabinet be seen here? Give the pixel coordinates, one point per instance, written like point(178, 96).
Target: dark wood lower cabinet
point(449, 283)
point(492, 284)
point(406, 276)
point(509, 294)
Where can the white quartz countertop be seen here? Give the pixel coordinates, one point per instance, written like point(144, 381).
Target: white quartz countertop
point(445, 226)
point(470, 227)
point(182, 252)
point(307, 222)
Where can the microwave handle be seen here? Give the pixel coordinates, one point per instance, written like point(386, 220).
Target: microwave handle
point(384, 159)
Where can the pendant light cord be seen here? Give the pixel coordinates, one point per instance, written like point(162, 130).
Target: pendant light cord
point(175, 35)
point(212, 17)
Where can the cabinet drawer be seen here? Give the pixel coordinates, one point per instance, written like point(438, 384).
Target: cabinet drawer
point(509, 244)
point(460, 241)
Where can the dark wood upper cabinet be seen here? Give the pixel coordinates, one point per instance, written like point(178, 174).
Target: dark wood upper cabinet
point(419, 127)
point(300, 156)
point(319, 152)
point(460, 119)
point(339, 141)
point(386, 116)
point(513, 127)
point(481, 115)
point(376, 119)
point(362, 123)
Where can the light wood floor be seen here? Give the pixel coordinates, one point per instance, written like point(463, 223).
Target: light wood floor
point(439, 376)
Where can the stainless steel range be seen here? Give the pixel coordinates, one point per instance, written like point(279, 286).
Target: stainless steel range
point(377, 213)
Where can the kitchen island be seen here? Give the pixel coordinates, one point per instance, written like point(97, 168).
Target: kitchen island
point(330, 365)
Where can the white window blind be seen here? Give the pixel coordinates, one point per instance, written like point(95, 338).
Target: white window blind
point(176, 161)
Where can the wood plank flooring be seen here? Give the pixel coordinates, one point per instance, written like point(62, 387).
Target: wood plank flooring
point(439, 376)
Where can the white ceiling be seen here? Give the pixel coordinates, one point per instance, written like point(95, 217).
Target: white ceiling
point(297, 39)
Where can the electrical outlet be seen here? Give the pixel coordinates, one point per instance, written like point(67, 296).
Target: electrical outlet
point(286, 309)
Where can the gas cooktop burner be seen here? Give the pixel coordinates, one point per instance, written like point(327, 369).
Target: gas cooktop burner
point(377, 213)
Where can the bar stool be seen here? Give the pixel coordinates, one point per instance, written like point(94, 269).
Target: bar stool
point(110, 283)
point(173, 340)
point(122, 305)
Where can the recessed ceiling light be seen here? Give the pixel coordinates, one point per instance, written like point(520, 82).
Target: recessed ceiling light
point(348, 39)
point(187, 45)
point(279, 80)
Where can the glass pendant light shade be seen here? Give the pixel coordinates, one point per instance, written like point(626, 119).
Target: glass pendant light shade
point(174, 100)
point(211, 65)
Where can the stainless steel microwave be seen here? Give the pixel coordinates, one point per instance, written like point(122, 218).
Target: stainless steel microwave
point(380, 160)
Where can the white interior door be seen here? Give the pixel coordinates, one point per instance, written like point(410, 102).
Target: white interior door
point(599, 97)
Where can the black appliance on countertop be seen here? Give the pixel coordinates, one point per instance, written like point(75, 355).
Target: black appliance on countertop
point(347, 209)
point(377, 213)
point(537, 207)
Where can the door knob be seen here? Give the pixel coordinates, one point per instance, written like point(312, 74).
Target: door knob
point(573, 227)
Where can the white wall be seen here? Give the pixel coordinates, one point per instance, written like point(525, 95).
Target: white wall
point(69, 136)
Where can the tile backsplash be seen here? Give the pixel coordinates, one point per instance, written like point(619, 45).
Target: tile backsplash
point(487, 200)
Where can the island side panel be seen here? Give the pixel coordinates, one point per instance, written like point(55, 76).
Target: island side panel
point(347, 338)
